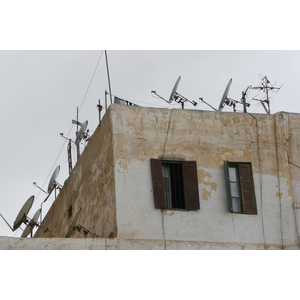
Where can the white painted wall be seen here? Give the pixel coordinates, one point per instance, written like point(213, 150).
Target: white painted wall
point(273, 226)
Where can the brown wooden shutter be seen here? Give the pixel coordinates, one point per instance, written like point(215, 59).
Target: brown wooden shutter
point(191, 185)
point(247, 189)
point(157, 183)
point(227, 183)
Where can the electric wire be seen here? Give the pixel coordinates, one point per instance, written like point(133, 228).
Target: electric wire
point(292, 184)
point(82, 102)
point(162, 211)
point(278, 178)
point(167, 133)
point(260, 176)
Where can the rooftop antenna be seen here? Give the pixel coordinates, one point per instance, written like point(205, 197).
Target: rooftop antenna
point(31, 225)
point(99, 110)
point(22, 215)
point(69, 152)
point(266, 87)
point(176, 96)
point(108, 78)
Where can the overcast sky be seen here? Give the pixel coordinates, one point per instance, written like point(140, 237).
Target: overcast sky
point(41, 90)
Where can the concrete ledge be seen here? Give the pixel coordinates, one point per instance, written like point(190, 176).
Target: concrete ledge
point(11, 243)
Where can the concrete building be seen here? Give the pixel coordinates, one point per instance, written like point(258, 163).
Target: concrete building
point(154, 178)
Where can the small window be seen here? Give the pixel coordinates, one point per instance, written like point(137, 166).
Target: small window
point(240, 187)
point(70, 212)
point(175, 184)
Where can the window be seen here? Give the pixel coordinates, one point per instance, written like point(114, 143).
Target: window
point(70, 212)
point(175, 184)
point(240, 187)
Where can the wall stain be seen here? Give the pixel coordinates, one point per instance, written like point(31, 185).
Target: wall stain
point(205, 194)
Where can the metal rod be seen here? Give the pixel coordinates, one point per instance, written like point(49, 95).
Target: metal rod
point(105, 100)
point(201, 99)
point(7, 223)
point(108, 76)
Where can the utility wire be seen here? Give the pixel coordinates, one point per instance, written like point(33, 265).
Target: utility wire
point(260, 175)
point(72, 124)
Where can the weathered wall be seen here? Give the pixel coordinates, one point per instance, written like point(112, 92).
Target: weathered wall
point(209, 138)
point(10, 243)
point(91, 187)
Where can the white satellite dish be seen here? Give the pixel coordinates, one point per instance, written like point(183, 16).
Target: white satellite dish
point(175, 96)
point(174, 89)
point(52, 183)
point(22, 215)
point(81, 132)
point(73, 224)
point(224, 97)
point(31, 224)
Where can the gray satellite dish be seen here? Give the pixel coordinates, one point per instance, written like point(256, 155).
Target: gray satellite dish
point(52, 183)
point(81, 132)
point(222, 103)
point(73, 224)
point(22, 216)
point(31, 224)
point(174, 89)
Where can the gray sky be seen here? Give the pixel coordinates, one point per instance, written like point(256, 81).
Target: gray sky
point(40, 92)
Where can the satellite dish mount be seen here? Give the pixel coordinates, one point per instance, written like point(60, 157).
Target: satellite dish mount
point(176, 96)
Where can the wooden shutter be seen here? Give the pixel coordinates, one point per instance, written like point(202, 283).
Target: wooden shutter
point(247, 189)
point(191, 185)
point(227, 182)
point(157, 183)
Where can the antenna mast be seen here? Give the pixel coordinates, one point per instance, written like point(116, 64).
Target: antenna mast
point(266, 86)
point(108, 75)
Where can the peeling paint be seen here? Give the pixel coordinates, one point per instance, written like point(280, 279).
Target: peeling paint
point(205, 194)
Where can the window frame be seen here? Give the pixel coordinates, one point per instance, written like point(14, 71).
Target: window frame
point(189, 182)
point(245, 187)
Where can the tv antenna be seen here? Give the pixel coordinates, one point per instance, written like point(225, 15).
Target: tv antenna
point(266, 87)
point(176, 96)
point(31, 225)
point(22, 215)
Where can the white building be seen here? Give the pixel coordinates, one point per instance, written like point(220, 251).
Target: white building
point(185, 179)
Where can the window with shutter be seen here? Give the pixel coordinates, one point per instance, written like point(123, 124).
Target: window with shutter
point(175, 184)
point(240, 187)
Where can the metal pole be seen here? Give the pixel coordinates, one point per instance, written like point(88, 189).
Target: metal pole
point(108, 76)
point(77, 145)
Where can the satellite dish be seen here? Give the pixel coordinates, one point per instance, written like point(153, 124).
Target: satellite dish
point(80, 132)
point(52, 182)
point(174, 89)
point(222, 103)
point(31, 224)
point(73, 224)
point(22, 216)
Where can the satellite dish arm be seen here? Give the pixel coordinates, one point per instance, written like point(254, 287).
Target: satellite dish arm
point(7, 223)
point(201, 99)
point(154, 92)
point(184, 99)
